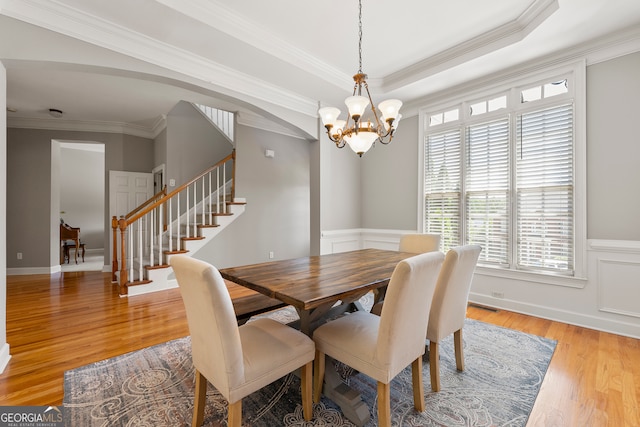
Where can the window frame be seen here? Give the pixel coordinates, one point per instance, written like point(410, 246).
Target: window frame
point(574, 72)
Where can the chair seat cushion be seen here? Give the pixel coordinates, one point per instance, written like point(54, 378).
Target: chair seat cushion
point(352, 340)
point(270, 351)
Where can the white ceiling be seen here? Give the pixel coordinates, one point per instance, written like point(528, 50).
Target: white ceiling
point(128, 63)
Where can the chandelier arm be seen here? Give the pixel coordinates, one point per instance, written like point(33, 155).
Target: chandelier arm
point(373, 108)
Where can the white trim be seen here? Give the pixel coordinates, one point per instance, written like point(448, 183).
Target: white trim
point(576, 71)
point(505, 35)
point(568, 300)
point(87, 126)
point(597, 323)
point(5, 356)
point(526, 276)
point(23, 271)
point(72, 22)
point(256, 121)
point(626, 246)
point(220, 16)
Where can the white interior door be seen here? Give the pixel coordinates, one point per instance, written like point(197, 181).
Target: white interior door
point(127, 190)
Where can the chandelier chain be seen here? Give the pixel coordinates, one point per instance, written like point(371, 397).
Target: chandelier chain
point(360, 36)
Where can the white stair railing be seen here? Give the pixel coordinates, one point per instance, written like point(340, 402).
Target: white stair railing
point(223, 120)
point(145, 237)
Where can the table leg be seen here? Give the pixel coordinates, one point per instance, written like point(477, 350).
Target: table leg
point(348, 399)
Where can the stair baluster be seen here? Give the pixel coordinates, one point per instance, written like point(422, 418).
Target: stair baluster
point(147, 229)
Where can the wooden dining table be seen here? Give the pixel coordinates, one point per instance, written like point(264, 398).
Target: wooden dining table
point(320, 288)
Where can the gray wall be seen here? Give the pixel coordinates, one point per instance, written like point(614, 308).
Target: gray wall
point(390, 173)
point(277, 191)
point(193, 144)
point(33, 206)
point(160, 150)
point(613, 149)
point(390, 181)
point(341, 186)
point(82, 193)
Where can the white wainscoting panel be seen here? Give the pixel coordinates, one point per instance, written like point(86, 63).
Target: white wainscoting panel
point(335, 241)
point(619, 286)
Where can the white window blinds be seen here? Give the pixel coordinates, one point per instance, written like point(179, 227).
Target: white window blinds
point(487, 189)
point(544, 189)
point(443, 187)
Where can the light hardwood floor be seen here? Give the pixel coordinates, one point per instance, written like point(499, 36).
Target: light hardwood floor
point(66, 320)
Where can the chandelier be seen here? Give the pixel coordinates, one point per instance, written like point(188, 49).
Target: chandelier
point(357, 131)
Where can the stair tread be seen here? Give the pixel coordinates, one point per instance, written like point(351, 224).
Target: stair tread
point(156, 267)
point(176, 252)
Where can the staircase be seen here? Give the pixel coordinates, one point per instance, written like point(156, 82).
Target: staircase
point(180, 222)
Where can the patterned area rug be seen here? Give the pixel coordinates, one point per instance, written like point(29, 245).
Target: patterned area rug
point(503, 373)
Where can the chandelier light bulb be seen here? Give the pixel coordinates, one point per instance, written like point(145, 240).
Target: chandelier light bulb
point(356, 106)
point(361, 142)
point(390, 108)
point(329, 115)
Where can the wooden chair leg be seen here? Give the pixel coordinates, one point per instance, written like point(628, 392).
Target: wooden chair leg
point(200, 400)
point(235, 414)
point(457, 341)
point(318, 376)
point(418, 386)
point(434, 366)
point(306, 380)
point(384, 405)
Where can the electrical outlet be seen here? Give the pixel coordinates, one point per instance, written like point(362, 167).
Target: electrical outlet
point(19, 255)
point(271, 255)
point(496, 294)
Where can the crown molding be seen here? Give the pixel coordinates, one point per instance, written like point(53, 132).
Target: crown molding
point(85, 126)
point(489, 41)
point(619, 43)
point(219, 16)
point(255, 121)
point(58, 17)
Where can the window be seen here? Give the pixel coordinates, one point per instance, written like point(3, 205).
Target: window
point(502, 175)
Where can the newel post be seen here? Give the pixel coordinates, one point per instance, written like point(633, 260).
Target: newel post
point(114, 256)
point(122, 224)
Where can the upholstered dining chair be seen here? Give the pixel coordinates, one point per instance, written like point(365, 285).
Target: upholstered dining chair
point(419, 243)
point(449, 306)
point(237, 360)
point(382, 346)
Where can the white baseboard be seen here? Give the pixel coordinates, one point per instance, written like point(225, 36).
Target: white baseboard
point(33, 270)
point(565, 316)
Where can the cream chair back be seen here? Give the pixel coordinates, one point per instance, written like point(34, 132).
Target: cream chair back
point(404, 316)
point(215, 338)
point(451, 296)
point(419, 243)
